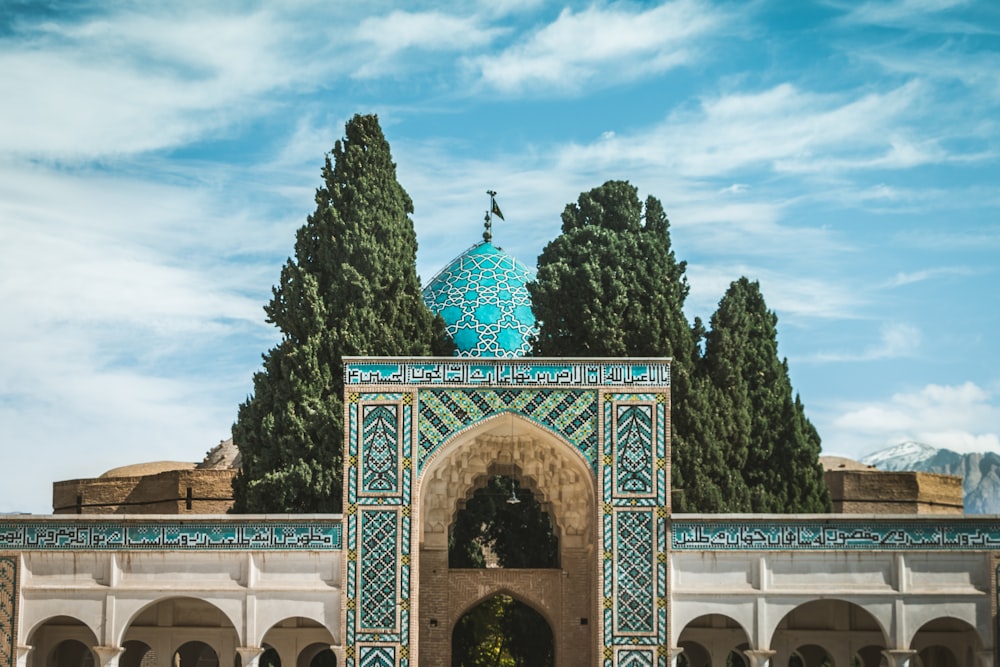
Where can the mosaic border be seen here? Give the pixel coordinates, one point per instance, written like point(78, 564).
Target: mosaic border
point(812, 535)
point(8, 611)
point(482, 372)
point(75, 535)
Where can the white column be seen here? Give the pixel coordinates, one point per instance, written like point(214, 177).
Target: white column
point(22, 655)
point(902, 657)
point(672, 654)
point(759, 657)
point(250, 655)
point(109, 655)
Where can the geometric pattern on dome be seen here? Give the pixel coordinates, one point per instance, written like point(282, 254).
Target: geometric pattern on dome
point(483, 299)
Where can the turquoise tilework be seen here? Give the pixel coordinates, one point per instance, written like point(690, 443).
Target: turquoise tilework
point(483, 299)
point(503, 373)
point(795, 534)
point(75, 534)
point(571, 414)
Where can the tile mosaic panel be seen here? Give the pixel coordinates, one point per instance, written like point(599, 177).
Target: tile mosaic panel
point(635, 584)
point(376, 656)
point(8, 611)
point(572, 414)
point(377, 580)
point(380, 450)
point(522, 373)
point(73, 534)
point(368, 414)
point(634, 491)
point(807, 534)
point(635, 657)
point(634, 455)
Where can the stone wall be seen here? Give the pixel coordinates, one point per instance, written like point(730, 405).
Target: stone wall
point(884, 492)
point(171, 492)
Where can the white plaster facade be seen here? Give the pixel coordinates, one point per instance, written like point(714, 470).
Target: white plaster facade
point(851, 608)
point(236, 601)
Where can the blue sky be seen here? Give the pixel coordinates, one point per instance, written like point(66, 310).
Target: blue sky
point(155, 162)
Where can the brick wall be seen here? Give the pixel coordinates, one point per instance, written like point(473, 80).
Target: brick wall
point(885, 492)
point(211, 492)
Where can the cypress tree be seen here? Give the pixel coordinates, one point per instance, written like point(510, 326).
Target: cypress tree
point(765, 430)
point(610, 285)
point(352, 289)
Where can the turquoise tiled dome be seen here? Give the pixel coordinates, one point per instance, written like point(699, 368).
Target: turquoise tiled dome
point(484, 302)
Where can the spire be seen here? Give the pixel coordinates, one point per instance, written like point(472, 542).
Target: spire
point(490, 212)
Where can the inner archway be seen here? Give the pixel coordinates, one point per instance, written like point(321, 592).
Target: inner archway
point(503, 456)
point(502, 631)
point(502, 525)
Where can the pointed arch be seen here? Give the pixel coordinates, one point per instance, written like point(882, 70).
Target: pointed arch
point(555, 471)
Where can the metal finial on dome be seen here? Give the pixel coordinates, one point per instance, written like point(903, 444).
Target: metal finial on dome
point(490, 212)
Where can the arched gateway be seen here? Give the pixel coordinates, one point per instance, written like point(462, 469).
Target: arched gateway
point(587, 439)
point(590, 438)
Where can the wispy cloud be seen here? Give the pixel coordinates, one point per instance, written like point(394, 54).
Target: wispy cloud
point(896, 340)
point(791, 297)
point(783, 129)
point(391, 41)
point(962, 418)
point(927, 15)
point(908, 278)
point(129, 82)
point(600, 46)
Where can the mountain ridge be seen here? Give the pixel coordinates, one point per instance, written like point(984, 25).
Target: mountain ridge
point(980, 471)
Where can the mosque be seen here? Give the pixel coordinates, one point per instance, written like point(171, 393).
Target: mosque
point(634, 586)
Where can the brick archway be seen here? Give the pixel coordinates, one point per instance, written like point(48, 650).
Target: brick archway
point(562, 482)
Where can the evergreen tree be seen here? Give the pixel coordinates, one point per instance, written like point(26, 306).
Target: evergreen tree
point(352, 289)
point(610, 285)
point(765, 430)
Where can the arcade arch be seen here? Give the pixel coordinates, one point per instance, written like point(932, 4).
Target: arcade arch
point(137, 654)
point(708, 640)
point(298, 640)
point(61, 640)
point(826, 633)
point(560, 478)
point(186, 628)
point(947, 642)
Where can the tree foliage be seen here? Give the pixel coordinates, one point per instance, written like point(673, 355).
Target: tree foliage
point(518, 534)
point(610, 285)
point(352, 289)
point(769, 438)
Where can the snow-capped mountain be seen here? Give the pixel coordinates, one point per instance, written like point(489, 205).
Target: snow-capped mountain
point(980, 472)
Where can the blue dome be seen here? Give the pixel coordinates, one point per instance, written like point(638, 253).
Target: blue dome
point(484, 302)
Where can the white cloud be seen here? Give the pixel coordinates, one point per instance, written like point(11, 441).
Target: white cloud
point(791, 296)
point(126, 83)
point(783, 129)
point(424, 31)
point(896, 340)
point(135, 320)
point(601, 45)
point(962, 418)
point(896, 13)
point(908, 278)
